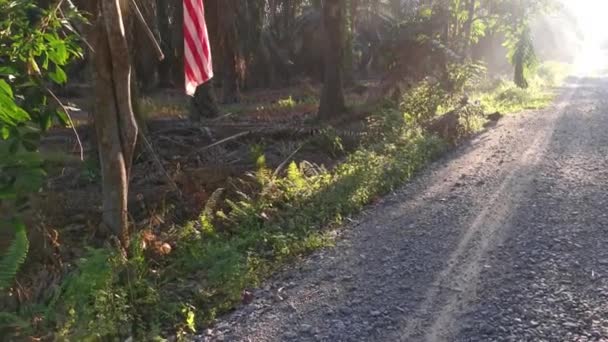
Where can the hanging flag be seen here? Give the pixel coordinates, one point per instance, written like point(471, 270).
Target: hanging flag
point(197, 50)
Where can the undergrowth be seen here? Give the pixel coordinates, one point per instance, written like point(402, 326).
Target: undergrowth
point(503, 96)
point(277, 216)
point(224, 252)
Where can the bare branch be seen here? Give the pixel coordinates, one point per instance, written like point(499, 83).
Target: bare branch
point(67, 113)
point(142, 20)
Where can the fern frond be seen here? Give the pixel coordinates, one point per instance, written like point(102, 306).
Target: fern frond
point(212, 202)
point(15, 256)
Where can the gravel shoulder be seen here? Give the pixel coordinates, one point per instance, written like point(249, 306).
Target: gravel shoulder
point(505, 239)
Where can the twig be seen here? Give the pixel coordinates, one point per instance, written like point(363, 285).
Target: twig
point(173, 141)
point(71, 122)
point(176, 130)
point(74, 29)
point(282, 165)
point(236, 136)
point(159, 164)
point(142, 20)
point(221, 117)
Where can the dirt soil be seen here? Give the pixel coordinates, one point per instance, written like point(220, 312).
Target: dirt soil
point(505, 239)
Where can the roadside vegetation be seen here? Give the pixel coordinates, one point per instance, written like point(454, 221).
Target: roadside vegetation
point(216, 206)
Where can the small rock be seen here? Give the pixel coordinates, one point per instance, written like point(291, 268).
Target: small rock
point(339, 325)
point(345, 310)
point(291, 335)
point(375, 313)
point(305, 328)
point(247, 297)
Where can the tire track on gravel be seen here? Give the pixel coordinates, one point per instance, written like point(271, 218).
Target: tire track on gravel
point(406, 268)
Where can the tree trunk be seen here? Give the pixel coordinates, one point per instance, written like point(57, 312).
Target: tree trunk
point(397, 8)
point(178, 44)
point(115, 124)
point(332, 97)
point(348, 71)
point(164, 68)
point(230, 85)
point(468, 25)
point(144, 58)
point(229, 44)
point(204, 103)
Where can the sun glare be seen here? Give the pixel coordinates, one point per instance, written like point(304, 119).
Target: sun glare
point(591, 16)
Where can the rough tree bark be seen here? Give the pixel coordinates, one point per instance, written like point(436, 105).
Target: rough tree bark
point(204, 103)
point(115, 123)
point(332, 97)
point(229, 42)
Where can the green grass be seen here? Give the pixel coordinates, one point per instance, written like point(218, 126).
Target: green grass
point(276, 219)
point(501, 95)
point(164, 107)
point(290, 218)
point(222, 253)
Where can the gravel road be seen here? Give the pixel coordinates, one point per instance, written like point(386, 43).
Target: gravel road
point(505, 239)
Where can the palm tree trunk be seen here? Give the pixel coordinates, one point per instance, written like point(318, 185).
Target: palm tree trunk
point(468, 26)
point(115, 123)
point(229, 44)
point(332, 97)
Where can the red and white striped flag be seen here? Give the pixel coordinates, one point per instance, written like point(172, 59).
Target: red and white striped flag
point(197, 50)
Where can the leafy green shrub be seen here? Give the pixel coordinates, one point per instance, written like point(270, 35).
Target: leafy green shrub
point(465, 76)
point(508, 98)
point(286, 218)
point(287, 103)
point(35, 44)
point(422, 102)
point(94, 305)
point(553, 73)
point(107, 297)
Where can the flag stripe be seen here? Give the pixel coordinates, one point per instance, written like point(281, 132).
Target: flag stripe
point(200, 16)
point(190, 43)
point(191, 65)
point(198, 67)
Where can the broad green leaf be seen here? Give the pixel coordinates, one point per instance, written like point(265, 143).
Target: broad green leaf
point(6, 88)
point(46, 121)
point(10, 113)
point(5, 132)
point(58, 76)
point(63, 117)
point(58, 52)
point(7, 70)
